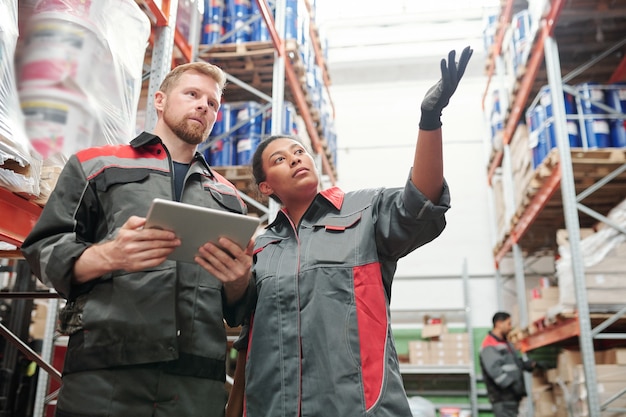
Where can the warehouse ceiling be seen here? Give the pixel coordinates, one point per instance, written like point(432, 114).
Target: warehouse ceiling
point(370, 40)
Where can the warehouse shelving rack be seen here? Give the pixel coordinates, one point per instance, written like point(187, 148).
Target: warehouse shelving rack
point(569, 21)
point(444, 380)
point(282, 56)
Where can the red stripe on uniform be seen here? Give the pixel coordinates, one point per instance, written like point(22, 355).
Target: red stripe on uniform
point(122, 151)
point(371, 313)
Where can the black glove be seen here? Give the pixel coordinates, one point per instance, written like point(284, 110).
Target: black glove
point(439, 95)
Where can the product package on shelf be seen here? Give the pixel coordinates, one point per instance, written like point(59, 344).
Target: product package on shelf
point(569, 379)
point(19, 165)
point(603, 254)
point(80, 73)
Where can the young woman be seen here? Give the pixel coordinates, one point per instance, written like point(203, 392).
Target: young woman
point(320, 341)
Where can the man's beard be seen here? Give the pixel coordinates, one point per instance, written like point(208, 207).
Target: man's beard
point(193, 134)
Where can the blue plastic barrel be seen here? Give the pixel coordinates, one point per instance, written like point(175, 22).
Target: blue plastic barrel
point(496, 119)
point(538, 135)
point(521, 36)
point(615, 96)
point(236, 14)
point(291, 19)
point(596, 125)
point(212, 22)
point(222, 152)
point(246, 145)
point(243, 112)
point(259, 28)
point(223, 121)
point(289, 126)
point(570, 109)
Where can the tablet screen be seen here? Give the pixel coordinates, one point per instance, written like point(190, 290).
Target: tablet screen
point(196, 225)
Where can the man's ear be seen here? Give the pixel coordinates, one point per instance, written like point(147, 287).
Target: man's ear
point(159, 100)
point(265, 188)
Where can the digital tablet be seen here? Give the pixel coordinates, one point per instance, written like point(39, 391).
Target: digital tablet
point(196, 225)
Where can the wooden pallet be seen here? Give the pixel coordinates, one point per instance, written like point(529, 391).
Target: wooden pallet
point(589, 166)
point(251, 62)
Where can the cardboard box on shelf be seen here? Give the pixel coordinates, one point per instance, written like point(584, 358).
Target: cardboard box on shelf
point(543, 401)
point(540, 300)
point(567, 360)
point(419, 352)
point(455, 337)
point(450, 345)
point(419, 345)
point(450, 356)
point(615, 356)
point(552, 376)
point(434, 326)
point(448, 362)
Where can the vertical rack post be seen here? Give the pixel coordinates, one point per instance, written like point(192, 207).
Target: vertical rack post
point(470, 331)
point(568, 194)
point(161, 60)
point(46, 354)
point(520, 285)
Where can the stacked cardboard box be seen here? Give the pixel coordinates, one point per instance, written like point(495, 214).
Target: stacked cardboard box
point(566, 389)
point(510, 192)
point(540, 301)
point(611, 380)
point(503, 224)
point(544, 403)
point(419, 352)
point(434, 327)
point(450, 349)
point(521, 165)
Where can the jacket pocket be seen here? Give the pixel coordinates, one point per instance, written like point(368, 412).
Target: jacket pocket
point(267, 257)
point(133, 309)
point(337, 240)
point(226, 198)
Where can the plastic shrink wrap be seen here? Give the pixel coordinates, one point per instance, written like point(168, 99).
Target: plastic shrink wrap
point(80, 72)
point(19, 164)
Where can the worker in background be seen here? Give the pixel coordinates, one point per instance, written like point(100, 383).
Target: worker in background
point(146, 334)
point(503, 368)
point(320, 341)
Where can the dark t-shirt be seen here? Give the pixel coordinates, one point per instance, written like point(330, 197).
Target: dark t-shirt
point(180, 170)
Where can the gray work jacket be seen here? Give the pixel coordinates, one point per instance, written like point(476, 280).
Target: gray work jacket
point(321, 342)
point(171, 313)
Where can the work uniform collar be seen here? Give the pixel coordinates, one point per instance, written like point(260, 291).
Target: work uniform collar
point(501, 340)
point(146, 138)
point(333, 196)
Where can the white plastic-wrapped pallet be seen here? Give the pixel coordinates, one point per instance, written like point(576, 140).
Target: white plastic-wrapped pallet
point(80, 73)
point(18, 167)
point(603, 254)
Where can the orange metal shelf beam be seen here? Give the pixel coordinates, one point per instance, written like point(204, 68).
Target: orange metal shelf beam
point(294, 85)
point(161, 14)
point(620, 72)
point(18, 217)
point(535, 206)
point(557, 333)
point(532, 67)
point(182, 45)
